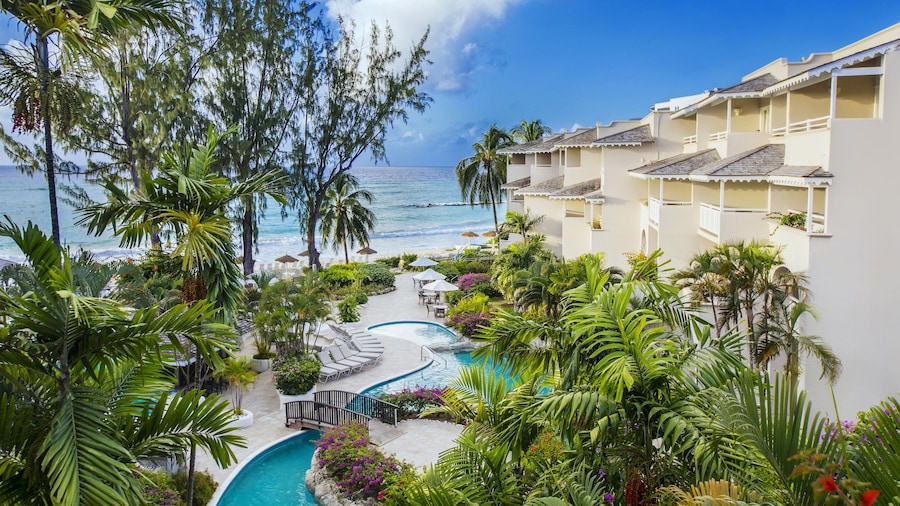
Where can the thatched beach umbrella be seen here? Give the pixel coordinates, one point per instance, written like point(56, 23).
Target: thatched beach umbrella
point(286, 259)
point(469, 235)
point(489, 233)
point(366, 251)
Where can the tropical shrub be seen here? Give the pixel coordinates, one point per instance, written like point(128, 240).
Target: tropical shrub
point(357, 468)
point(159, 489)
point(466, 281)
point(468, 323)
point(411, 403)
point(378, 275)
point(340, 275)
point(408, 258)
point(204, 486)
point(296, 373)
point(472, 266)
point(392, 262)
point(347, 311)
point(474, 303)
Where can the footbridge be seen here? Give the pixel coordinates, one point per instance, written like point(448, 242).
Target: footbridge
point(330, 408)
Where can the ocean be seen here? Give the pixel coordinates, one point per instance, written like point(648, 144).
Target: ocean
point(417, 209)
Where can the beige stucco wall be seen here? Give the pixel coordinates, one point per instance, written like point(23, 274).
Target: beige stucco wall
point(857, 97)
point(810, 102)
point(747, 195)
point(676, 191)
point(852, 273)
point(551, 226)
point(807, 148)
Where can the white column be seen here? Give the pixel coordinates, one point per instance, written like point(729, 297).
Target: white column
point(809, 208)
point(721, 196)
point(728, 118)
point(833, 104)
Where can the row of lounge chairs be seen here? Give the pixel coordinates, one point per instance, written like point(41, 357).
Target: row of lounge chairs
point(358, 351)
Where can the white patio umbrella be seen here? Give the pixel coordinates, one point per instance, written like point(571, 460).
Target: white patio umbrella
point(429, 275)
point(441, 286)
point(423, 262)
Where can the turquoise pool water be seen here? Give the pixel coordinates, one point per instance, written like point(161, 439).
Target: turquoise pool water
point(275, 477)
point(427, 333)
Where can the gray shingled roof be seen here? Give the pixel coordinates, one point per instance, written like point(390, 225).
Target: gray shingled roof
point(518, 183)
point(800, 171)
point(754, 85)
point(595, 195)
point(678, 165)
point(543, 145)
point(577, 190)
point(579, 138)
point(544, 187)
point(635, 135)
point(755, 162)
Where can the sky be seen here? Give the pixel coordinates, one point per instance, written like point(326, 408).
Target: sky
point(573, 63)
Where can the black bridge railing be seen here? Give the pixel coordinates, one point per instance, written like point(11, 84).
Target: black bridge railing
point(321, 414)
point(336, 407)
point(369, 406)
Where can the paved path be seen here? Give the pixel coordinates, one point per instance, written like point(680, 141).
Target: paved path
point(416, 441)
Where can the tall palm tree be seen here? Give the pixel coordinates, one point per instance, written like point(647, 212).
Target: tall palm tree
point(528, 131)
point(84, 392)
point(481, 175)
point(346, 220)
point(518, 223)
point(76, 28)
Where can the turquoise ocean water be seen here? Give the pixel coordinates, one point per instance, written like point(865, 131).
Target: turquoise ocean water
point(418, 209)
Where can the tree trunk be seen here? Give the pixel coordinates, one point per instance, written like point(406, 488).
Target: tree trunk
point(44, 59)
point(490, 182)
point(247, 238)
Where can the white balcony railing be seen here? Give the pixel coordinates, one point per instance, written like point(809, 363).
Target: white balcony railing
point(807, 125)
point(690, 139)
point(718, 136)
point(709, 219)
point(653, 207)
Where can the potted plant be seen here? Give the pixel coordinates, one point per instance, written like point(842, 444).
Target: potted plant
point(262, 359)
point(237, 371)
point(296, 375)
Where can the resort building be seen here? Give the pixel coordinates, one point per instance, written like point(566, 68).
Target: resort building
point(819, 138)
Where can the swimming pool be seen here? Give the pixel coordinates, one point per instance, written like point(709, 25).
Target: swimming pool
point(425, 333)
point(276, 476)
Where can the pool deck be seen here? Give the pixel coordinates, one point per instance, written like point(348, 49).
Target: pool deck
point(416, 441)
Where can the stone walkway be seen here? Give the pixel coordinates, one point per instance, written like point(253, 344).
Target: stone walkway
point(417, 441)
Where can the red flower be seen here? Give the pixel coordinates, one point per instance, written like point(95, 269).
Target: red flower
point(868, 497)
point(828, 484)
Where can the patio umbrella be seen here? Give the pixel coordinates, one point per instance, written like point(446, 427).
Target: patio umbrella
point(366, 251)
point(423, 262)
point(286, 259)
point(441, 286)
point(429, 275)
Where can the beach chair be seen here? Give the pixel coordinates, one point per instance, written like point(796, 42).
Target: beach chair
point(367, 347)
point(329, 363)
point(339, 356)
point(354, 365)
point(374, 356)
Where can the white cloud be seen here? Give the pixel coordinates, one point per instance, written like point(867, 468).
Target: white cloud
point(454, 25)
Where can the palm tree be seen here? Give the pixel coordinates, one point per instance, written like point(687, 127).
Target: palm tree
point(530, 131)
point(481, 175)
point(188, 201)
point(76, 28)
point(346, 220)
point(84, 392)
point(518, 223)
point(517, 257)
point(781, 333)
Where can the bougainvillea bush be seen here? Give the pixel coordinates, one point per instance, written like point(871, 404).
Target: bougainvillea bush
point(358, 469)
point(467, 323)
point(466, 281)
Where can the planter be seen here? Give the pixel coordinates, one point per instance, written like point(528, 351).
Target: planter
point(308, 396)
point(261, 364)
point(245, 419)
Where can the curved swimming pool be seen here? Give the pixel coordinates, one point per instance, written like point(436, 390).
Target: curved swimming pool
point(276, 475)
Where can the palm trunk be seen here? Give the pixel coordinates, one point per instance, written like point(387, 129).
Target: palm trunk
point(490, 182)
point(346, 253)
point(44, 60)
point(247, 238)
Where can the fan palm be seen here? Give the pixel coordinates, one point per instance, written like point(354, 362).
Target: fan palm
point(481, 175)
point(345, 219)
point(519, 223)
point(84, 392)
point(77, 28)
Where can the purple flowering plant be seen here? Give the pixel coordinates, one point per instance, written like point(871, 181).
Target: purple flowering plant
point(413, 402)
point(358, 469)
point(468, 323)
point(467, 281)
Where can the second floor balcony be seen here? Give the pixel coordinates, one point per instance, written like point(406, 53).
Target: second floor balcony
point(721, 224)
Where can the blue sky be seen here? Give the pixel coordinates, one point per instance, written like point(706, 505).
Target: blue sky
point(578, 62)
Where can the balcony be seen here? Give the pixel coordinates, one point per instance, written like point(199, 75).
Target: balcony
point(732, 223)
point(690, 139)
point(718, 136)
point(807, 125)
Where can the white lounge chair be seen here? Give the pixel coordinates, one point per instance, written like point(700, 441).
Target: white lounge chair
point(329, 363)
point(340, 356)
point(373, 356)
